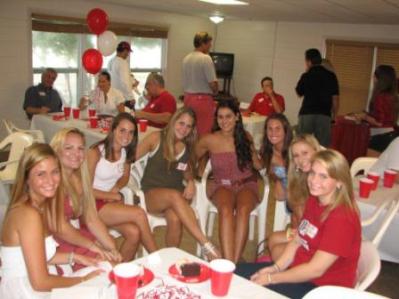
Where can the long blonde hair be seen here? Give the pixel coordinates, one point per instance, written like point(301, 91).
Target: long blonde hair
point(337, 168)
point(297, 190)
point(52, 207)
point(88, 200)
point(168, 137)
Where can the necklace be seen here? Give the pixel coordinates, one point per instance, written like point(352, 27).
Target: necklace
point(37, 208)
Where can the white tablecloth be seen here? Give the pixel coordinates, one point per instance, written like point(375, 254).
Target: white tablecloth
point(159, 263)
point(254, 124)
point(389, 246)
point(49, 127)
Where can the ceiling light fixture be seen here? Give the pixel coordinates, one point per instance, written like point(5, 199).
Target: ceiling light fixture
point(225, 2)
point(216, 19)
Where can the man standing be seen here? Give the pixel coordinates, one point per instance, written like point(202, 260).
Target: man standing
point(317, 86)
point(200, 82)
point(43, 98)
point(119, 70)
point(162, 104)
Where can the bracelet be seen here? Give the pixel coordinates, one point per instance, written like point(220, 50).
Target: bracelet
point(269, 278)
point(277, 267)
point(70, 258)
point(122, 196)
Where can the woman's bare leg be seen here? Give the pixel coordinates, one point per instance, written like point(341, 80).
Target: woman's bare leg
point(174, 229)
point(276, 244)
point(246, 201)
point(114, 214)
point(159, 200)
point(224, 202)
point(131, 235)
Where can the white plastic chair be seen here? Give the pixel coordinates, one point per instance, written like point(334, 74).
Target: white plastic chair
point(208, 211)
point(4, 200)
point(17, 142)
point(362, 163)
point(12, 128)
point(334, 292)
point(369, 265)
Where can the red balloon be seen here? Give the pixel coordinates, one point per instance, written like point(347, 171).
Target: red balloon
point(97, 20)
point(92, 61)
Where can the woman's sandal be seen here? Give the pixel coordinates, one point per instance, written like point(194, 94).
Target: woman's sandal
point(210, 252)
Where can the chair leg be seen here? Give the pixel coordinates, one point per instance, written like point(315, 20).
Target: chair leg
point(211, 221)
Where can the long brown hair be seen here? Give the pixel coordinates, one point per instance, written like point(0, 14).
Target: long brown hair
point(168, 137)
point(88, 200)
point(109, 140)
point(33, 155)
point(297, 190)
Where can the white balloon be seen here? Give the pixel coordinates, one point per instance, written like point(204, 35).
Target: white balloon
point(106, 43)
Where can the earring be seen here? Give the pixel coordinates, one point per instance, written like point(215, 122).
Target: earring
point(296, 169)
point(339, 187)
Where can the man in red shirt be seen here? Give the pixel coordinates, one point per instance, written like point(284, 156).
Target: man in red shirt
point(162, 104)
point(266, 102)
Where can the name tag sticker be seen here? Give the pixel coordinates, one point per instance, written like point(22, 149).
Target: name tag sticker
point(182, 166)
point(312, 230)
point(225, 182)
point(152, 106)
point(261, 100)
point(42, 93)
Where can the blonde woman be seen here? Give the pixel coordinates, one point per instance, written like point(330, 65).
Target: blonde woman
point(172, 159)
point(27, 247)
point(92, 238)
point(327, 247)
point(301, 152)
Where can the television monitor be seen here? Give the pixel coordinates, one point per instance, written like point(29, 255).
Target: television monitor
point(224, 64)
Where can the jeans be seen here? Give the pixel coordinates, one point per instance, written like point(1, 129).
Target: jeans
point(291, 290)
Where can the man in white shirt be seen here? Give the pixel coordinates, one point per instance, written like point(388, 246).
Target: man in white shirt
point(119, 70)
point(200, 82)
point(389, 159)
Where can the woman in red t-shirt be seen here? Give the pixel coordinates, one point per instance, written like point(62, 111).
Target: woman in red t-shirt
point(383, 110)
point(327, 247)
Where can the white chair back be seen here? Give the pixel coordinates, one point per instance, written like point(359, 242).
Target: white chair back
point(334, 292)
point(17, 142)
point(362, 163)
point(37, 135)
point(369, 265)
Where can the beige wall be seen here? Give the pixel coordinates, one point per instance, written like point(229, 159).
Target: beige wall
point(277, 49)
point(15, 40)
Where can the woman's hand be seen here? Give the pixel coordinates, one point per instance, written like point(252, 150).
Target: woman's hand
point(189, 191)
point(96, 249)
point(262, 277)
point(113, 256)
point(86, 260)
point(92, 274)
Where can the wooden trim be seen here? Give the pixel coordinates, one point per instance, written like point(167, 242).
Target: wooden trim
point(362, 44)
point(63, 24)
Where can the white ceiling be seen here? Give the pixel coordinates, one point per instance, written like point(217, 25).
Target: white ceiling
point(328, 11)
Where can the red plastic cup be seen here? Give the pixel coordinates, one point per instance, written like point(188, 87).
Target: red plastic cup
point(389, 178)
point(67, 112)
point(374, 177)
point(93, 122)
point(221, 274)
point(92, 112)
point(365, 187)
point(76, 113)
point(143, 125)
point(126, 280)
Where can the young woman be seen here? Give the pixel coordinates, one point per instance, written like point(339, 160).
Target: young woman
point(276, 141)
point(109, 164)
point(327, 247)
point(301, 152)
point(383, 110)
point(92, 238)
point(171, 160)
point(27, 247)
point(234, 190)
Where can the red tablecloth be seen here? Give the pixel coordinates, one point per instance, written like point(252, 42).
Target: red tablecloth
point(350, 138)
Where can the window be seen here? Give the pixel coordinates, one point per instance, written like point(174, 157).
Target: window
point(354, 64)
point(63, 51)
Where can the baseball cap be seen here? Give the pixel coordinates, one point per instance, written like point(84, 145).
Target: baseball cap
point(123, 46)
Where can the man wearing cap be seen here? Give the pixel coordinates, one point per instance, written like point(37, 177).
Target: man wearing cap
point(43, 98)
point(119, 70)
point(200, 82)
point(161, 105)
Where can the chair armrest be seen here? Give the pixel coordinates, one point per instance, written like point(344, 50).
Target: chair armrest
point(370, 220)
point(5, 163)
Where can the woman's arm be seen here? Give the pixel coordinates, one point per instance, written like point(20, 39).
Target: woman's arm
point(123, 180)
point(189, 191)
point(202, 146)
point(148, 144)
point(31, 238)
